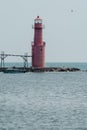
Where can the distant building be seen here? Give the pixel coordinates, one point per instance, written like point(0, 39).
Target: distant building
point(38, 46)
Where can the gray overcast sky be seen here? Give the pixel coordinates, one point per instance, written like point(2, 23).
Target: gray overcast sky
point(65, 30)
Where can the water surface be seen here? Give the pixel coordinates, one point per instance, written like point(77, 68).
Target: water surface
point(43, 101)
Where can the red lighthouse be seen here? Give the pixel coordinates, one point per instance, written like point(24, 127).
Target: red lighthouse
point(38, 46)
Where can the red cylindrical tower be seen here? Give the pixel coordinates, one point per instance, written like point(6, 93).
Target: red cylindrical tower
point(38, 46)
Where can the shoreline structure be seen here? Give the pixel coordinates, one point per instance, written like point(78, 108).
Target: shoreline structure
point(46, 69)
point(38, 55)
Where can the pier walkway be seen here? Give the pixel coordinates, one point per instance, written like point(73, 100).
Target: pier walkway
point(24, 57)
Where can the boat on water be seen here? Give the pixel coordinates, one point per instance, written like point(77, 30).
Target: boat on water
point(14, 70)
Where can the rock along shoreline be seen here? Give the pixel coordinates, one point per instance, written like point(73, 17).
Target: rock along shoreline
point(46, 69)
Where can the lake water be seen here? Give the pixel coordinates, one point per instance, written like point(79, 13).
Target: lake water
point(44, 101)
point(82, 66)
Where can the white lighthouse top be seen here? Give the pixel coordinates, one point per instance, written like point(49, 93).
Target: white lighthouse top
point(38, 20)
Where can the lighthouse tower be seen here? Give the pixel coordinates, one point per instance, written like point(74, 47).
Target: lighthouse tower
point(38, 46)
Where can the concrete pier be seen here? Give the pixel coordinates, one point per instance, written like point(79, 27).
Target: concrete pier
point(46, 69)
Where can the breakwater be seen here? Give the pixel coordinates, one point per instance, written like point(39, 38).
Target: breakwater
point(46, 69)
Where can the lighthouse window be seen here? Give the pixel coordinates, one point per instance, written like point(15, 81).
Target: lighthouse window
point(41, 49)
point(38, 21)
